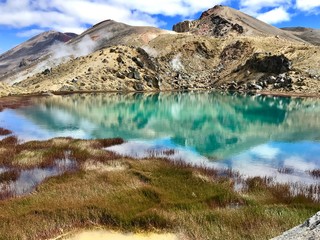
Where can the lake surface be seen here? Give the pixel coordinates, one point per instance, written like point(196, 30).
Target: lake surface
point(255, 135)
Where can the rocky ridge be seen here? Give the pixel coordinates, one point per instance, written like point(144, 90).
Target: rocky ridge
point(29, 52)
point(307, 34)
point(111, 33)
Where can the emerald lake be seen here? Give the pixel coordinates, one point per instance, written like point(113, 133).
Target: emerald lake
point(255, 135)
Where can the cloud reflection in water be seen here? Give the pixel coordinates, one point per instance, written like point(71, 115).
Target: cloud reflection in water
point(251, 134)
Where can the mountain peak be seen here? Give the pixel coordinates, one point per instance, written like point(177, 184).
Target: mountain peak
point(222, 21)
point(215, 10)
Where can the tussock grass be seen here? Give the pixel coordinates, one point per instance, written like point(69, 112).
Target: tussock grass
point(14, 102)
point(141, 195)
point(103, 143)
point(271, 192)
point(8, 150)
point(10, 141)
point(9, 176)
point(315, 173)
point(285, 170)
point(28, 159)
point(4, 132)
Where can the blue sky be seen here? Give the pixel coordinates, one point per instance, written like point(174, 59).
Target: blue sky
point(22, 19)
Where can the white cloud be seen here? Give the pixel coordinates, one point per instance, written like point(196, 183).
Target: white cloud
point(277, 10)
point(29, 33)
point(256, 5)
point(169, 7)
point(298, 163)
point(253, 7)
point(307, 5)
point(75, 15)
point(274, 16)
point(265, 151)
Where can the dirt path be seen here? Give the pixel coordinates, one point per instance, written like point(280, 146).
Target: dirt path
point(106, 235)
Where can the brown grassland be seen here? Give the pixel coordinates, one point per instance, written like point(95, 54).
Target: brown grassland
point(129, 195)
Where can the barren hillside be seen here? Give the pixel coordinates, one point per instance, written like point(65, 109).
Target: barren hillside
point(30, 51)
point(183, 61)
point(307, 34)
point(110, 33)
point(54, 52)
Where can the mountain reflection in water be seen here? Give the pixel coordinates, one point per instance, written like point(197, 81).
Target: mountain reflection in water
point(227, 130)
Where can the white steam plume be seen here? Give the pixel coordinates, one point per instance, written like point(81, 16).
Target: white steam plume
point(176, 63)
point(83, 48)
point(151, 51)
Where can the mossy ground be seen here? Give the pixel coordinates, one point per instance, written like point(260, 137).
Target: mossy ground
point(139, 195)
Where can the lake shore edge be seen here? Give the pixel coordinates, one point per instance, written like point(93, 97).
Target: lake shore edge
point(257, 92)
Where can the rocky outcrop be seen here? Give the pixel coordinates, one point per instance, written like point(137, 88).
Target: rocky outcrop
point(310, 229)
point(222, 21)
point(221, 26)
point(210, 25)
point(23, 63)
point(235, 51)
point(276, 64)
point(184, 26)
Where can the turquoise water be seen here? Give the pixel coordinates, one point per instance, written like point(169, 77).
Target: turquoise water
point(256, 135)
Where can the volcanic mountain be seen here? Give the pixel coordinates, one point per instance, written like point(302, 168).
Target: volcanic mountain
point(30, 51)
point(52, 48)
point(110, 33)
point(221, 21)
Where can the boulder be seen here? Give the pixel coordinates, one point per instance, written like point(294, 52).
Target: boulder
point(120, 60)
point(23, 63)
point(75, 80)
point(271, 79)
point(233, 86)
point(184, 26)
point(120, 75)
point(147, 60)
point(253, 86)
point(138, 62)
point(138, 86)
point(136, 75)
point(310, 229)
point(46, 71)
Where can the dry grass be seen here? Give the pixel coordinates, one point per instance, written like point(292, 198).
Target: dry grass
point(4, 132)
point(9, 176)
point(110, 166)
point(133, 195)
point(315, 173)
point(13, 102)
point(27, 158)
